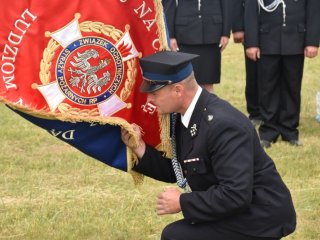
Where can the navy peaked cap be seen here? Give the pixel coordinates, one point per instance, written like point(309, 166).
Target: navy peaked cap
point(163, 68)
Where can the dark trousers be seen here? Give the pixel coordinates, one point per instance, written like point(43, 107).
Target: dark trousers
point(280, 78)
point(182, 230)
point(251, 90)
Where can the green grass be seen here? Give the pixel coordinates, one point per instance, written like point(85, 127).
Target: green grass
point(49, 190)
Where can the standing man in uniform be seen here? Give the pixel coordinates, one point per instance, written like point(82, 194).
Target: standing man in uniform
point(251, 89)
point(200, 27)
point(279, 34)
point(233, 190)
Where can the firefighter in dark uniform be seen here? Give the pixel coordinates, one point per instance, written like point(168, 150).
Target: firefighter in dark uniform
point(233, 189)
point(280, 34)
point(200, 27)
point(251, 89)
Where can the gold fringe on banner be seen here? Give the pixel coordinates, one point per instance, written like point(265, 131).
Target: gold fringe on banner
point(164, 120)
point(161, 25)
point(65, 117)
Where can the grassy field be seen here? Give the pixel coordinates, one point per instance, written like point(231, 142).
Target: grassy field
point(49, 190)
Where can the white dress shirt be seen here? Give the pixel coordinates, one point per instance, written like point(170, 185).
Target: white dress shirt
point(185, 119)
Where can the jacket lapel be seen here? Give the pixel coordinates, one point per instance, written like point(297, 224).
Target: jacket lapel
point(186, 143)
point(194, 125)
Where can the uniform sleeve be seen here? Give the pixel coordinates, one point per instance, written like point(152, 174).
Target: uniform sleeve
point(227, 17)
point(169, 8)
point(313, 23)
point(155, 165)
point(237, 16)
point(232, 162)
point(251, 23)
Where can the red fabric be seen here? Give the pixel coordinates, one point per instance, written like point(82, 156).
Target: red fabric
point(21, 61)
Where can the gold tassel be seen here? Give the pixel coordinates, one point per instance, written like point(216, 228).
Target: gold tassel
point(165, 145)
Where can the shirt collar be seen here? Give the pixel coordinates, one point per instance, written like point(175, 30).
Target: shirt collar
point(185, 119)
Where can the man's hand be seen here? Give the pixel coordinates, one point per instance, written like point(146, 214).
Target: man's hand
point(223, 43)
point(174, 45)
point(253, 53)
point(238, 37)
point(168, 201)
point(310, 51)
point(127, 139)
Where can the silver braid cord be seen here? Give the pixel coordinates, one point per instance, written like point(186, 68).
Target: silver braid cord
point(273, 6)
point(181, 181)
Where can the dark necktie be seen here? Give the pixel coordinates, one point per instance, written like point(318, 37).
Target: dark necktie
point(183, 138)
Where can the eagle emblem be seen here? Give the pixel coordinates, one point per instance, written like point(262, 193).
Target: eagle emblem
point(84, 69)
point(86, 74)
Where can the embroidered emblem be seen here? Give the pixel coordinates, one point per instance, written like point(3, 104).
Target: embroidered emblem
point(84, 67)
point(210, 117)
point(193, 130)
point(149, 108)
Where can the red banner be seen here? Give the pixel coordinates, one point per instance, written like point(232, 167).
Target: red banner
point(78, 60)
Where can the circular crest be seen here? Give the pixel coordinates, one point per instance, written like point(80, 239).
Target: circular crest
point(89, 68)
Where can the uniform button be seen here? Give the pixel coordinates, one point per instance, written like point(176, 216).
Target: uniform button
point(194, 169)
point(185, 172)
point(199, 16)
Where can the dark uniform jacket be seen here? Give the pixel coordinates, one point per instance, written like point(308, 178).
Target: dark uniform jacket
point(234, 182)
point(266, 30)
point(193, 27)
point(238, 16)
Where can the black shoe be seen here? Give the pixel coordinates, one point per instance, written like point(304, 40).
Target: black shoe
point(295, 142)
point(265, 144)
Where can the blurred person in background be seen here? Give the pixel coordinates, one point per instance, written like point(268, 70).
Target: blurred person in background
point(200, 27)
point(279, 34)
point(251, 88)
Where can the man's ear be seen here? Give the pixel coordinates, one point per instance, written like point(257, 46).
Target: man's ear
point(178, 89)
